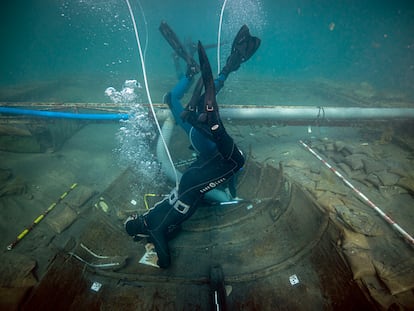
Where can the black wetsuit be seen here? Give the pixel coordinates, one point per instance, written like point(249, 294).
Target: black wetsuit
point(218, 160)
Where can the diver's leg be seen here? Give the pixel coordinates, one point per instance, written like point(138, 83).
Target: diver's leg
point(219, 82)
point(173, 100)
point(162, 221)
point(158, 224)
point(209, 121)
point(203, 176)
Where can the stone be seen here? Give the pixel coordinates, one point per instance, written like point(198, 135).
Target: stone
point(387, 178)
point(358, 221)
point(354, 161)
point(61, 219)
point(371, 165)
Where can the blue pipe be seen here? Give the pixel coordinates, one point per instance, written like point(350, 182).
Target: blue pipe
point(64, 115)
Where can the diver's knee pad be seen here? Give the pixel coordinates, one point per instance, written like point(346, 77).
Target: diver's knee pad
point(177, 204)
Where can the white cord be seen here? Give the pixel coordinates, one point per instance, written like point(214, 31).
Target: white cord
point(144, 72)
point(219, 37)
point(146, 28)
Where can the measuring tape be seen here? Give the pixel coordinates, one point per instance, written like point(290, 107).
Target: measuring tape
point(39, 218)
point(387, 218)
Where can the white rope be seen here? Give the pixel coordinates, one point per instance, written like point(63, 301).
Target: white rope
point(146, 28)
point(219, 37)
point(144, 72)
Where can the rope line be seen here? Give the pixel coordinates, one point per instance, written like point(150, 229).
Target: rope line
point(144, 72)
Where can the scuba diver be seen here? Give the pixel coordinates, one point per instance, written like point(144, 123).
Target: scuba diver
point(218, 156)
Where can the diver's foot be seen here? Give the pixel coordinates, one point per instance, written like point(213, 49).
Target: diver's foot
point(135, 226)
point(244, 46)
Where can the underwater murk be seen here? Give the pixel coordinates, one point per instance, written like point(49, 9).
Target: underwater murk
point(323, 216)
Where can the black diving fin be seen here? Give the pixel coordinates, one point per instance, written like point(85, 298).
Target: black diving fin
point(210, 116)
point(189, 113)
point(174, 42)
point(197, 111)
point(210, 103)
point(243, 47)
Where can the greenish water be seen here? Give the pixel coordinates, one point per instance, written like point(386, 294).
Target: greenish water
point(316, 53)
point(73, 50)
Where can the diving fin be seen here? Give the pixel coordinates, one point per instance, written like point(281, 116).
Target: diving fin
point(243, 47)
point(189, 112)
point(210, 103)
point(210, 114)
point(174, 42)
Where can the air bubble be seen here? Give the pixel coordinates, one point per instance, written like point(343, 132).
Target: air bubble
point(136, 135)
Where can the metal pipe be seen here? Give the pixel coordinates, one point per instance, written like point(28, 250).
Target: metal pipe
point(297, 114)
point(311, 113)
point(288, 114)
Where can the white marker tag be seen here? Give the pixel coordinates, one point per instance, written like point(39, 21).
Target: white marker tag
point(293, 279)
point(96, 286)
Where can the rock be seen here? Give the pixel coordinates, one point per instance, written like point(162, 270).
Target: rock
point(360, 263)
point(320, 148)
point(356, 249)
point(406, 183)
point(328, 200)
point(345, 169)
point(348, 150)
point(62, 219)
point(354, 240)
point(374, 180)
point(361, 177)
point(398, 277)
point(390, 191)
point(315, 170)
point(401, 171)
point(371, 165)
point(338, 158)
point(296, 163)
point(354, 161)
point(13, 187)
point(358, 221)
point(330, 147)
point(81, 196)
point(387, 178)
point(339, 145)
point(325, 185)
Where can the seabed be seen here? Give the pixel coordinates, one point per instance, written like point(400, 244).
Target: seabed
point(300, 240)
